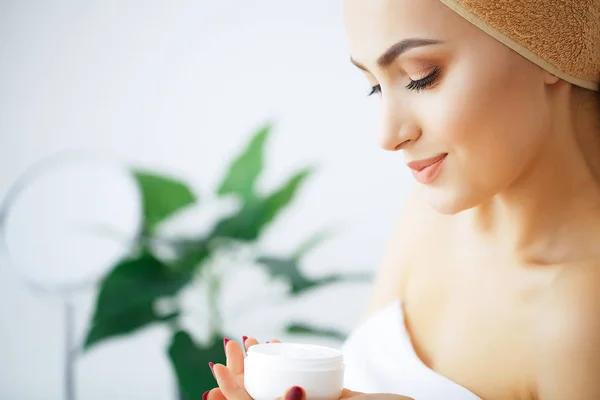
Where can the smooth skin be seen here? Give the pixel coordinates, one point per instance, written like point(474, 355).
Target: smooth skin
point(497, 261)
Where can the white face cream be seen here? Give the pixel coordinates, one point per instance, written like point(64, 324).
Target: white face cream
point(272, 368)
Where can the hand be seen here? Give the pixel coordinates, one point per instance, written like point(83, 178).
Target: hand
point(230, 377)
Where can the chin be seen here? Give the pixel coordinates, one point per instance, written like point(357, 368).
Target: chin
point(450, 202)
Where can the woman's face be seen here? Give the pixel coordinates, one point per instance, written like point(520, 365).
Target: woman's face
point(449, 92)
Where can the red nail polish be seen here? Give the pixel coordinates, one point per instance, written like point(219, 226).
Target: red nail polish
point(225, 340)
point(212, 366)
point(244, 338)
point(294, 393)
point(205, 396)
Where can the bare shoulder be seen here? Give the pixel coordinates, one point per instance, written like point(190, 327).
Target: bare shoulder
point(573, 300)
point(412, 226)
point(568, 335)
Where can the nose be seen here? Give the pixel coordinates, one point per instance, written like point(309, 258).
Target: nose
point(397, 129)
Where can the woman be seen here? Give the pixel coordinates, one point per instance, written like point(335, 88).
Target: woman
point(491, 289)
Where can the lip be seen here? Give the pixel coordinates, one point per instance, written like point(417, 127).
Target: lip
point(425, 171)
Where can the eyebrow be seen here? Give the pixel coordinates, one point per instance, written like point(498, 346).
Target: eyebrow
point(397, 49)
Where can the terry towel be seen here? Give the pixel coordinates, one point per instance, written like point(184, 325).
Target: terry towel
point(561, 36)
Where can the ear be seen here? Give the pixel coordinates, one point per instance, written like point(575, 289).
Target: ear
point(550, 79)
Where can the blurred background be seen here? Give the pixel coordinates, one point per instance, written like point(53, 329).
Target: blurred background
point(180, 90)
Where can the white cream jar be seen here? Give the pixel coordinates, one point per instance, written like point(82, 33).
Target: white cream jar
point(272, 368)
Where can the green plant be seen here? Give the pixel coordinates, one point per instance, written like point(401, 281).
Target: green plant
point(129, 293)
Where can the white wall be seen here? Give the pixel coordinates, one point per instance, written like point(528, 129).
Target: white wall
point(176, 85)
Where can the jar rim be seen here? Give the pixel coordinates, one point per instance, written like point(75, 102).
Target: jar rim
point(296, 355)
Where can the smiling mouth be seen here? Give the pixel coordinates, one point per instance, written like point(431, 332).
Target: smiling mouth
point(426, 171)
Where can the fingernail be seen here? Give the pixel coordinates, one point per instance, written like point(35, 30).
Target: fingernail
point(225, 340)
point(205, 396)
point(212, 366)
point(244, 338)
point(294, 393)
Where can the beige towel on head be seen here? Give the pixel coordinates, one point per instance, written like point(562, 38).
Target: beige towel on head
point(561, 36)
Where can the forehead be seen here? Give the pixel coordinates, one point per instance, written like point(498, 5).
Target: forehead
point(372, 26)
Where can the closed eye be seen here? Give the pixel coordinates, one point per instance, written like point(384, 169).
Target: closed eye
point(416, 85)
point(428, 81)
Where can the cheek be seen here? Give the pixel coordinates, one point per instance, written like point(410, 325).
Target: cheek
point(491, 121)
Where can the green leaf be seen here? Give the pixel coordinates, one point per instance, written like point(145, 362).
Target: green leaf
point(278, 200)
point(191, 255)
point(289, 270)
point(255, 215)
point(190, 362)
point(161, 197)
point(129, 291)
point(246, 168)
point(304, 329)
point(122, 323)
point(311, 243)
point(339, 278)
point(137, 281)
point(245, 225)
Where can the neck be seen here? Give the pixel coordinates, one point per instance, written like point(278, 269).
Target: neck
point(549, 213)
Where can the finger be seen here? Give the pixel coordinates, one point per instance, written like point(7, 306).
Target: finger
point(235, 357)
point(214, 394)
point(250, 342)
point(228, 385)
point(379, 396)
point(294, 393)
point(346, 394)
point(244, 338)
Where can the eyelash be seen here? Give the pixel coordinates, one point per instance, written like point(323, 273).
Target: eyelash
point(375, 90)
point(418, 85)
